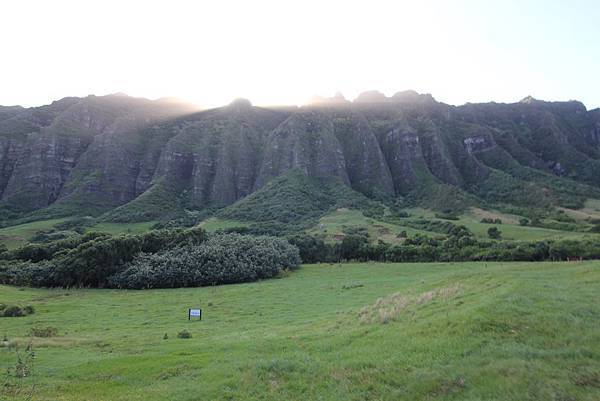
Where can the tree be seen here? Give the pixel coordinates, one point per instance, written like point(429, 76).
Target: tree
point(494, 233)
point(352, 246)
point(524, 222)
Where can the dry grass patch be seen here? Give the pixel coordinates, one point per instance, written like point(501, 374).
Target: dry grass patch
point(391, 307)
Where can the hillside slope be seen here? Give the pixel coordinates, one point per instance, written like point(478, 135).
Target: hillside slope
point(140, 160)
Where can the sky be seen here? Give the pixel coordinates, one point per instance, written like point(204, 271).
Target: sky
point(284, 52)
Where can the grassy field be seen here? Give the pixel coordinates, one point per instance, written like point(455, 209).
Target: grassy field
point(333, 225)
point(465, 331)
point(122, 228)
point(15, 236)
point(216, 223)
point(510, 228)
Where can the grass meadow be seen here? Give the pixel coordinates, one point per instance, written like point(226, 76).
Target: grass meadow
point(462, 331)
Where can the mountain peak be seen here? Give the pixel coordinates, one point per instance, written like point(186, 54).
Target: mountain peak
point(240, 103)
point(337, 99)
point(372, 96)
point(529, 100)
point(411, 96)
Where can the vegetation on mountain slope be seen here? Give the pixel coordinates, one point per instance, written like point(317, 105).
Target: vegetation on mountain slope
point(131, 160)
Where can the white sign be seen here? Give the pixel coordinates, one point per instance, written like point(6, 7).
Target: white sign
point(194, 312)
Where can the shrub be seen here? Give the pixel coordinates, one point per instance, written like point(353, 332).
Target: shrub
point(446, 216)
point(222, 259)
point(524, 222)
point(487, 220)
point(184, 334)
point(311, 249)
point(39, 252)
point(16, 311)
point(44, 332)
point(91, 263)
point(494, 233)
point(351, 247)
point(27, 274)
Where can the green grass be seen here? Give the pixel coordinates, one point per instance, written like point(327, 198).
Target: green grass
point(511, 230)
point(15, 236)
point(503, 331)
point(216, 223)
point(591, 210)
point(122, 228)
point(333, 224)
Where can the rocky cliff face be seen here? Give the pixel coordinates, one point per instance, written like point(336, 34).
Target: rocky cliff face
point(94, 154)
point(82, 150)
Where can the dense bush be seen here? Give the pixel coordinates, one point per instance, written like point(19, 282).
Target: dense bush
point(222, 259)
point(27, 274)
point(183, 334)
point(494, 233)
point(38, 252)
point(460, 245)
point(44, 332)
point(176, 258)
point(312, 249)
point(15, 310)
point(87, 262)
point(446, 216)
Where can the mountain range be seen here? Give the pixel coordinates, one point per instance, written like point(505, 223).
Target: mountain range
point(133, 159)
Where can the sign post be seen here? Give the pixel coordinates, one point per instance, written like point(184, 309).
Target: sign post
point(194, 313)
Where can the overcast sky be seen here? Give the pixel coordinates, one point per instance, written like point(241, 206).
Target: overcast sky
point(283, 52)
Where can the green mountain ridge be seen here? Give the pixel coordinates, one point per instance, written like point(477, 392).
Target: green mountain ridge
point(129, 159)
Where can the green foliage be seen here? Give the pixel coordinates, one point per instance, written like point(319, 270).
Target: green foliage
point(487, 220)
point(90, 260)
point(438, 196)
point(77, 224)
point(44, 332)
point(494, 233)
point(16, 310)
point(312, 249)
point(459, 245)
point(500, 187)
point(446, 216)
point(595, 228)
point(182, 334)
point(29, 274)
point(164, 200)
point(39, 252)
point(352, 247)
point(294, 201)
point(222, 259)
point(436, 226)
